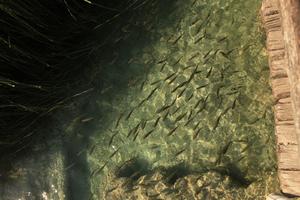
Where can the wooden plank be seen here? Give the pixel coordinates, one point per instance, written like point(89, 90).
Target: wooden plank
point(290, 182)
point(285, 112)
point(287, 155)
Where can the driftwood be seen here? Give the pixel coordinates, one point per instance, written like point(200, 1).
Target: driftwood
point(281, 22)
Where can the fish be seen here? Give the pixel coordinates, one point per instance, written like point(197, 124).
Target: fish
point(226, 110)
point(206, 20)
point(207, 54)
point(147, 134)
point(156, 121)
point(163, 108)
point(92, 149)
point(199, 39)
point(190, 97)
point(118, 121)
point(179, 86)
point(166, 115)
point(112, 189)
point(190, 120)
point(196, 126)
point(137, 133)
point(198, 102)
point(202, 86)
point(152, 92)
point(241, 158)
point(196, 134)
point(193, 74)
point(194, 3)
point(155, 82)
point(217, 122)
point(177, 61)
point(141, 103)
point(112, 138)
point(187, 67)
point(231, 93)
point(226, 147)
point(245, 149)
point(177, 39)
point(97, 171)
point(195, 21)
point(224, 54)
point(169, 191)
point(230, 51)
point(162, 61)
point(190, 115)
point(180, 152)
point(198, 72)
point(80, 152)
point(181, 93)
point(172, 131)
point(206, 98)
point(222, 39)
point(234, 103)
point(215, 53)
point(180, 117)
point(172, 80)
point(114, 153)
point(204, 104)
point(220, 100)
point(129, 133)
point(144, 123)
point(209, 72)
point(125, 163)
point(69, 166)
point(166, 106)
point(173, 102)
point(194, 56)
point(206, 61)
point(137, 127)
point(176, 110)
point(170, 76)
point(162, 67)
point(129, 114)
point(199, 29)
point(143, 83)
point(87, 119)
point(134, 130)
point(131, 189)
point(118, 39)
point(153, 195)
point(218, 90)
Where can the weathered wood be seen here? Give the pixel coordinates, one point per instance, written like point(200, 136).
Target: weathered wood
point(277, 17)
point(276, 197)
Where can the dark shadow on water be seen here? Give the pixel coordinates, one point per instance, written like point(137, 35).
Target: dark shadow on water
point(133, 169)
point(172, 174)
point(77, 169)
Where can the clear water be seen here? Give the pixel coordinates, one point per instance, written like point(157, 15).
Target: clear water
point(184, 96)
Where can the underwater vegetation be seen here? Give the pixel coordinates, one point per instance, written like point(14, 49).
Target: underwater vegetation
point(178, 107)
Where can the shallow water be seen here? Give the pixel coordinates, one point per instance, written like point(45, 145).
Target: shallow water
point(185, 92)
